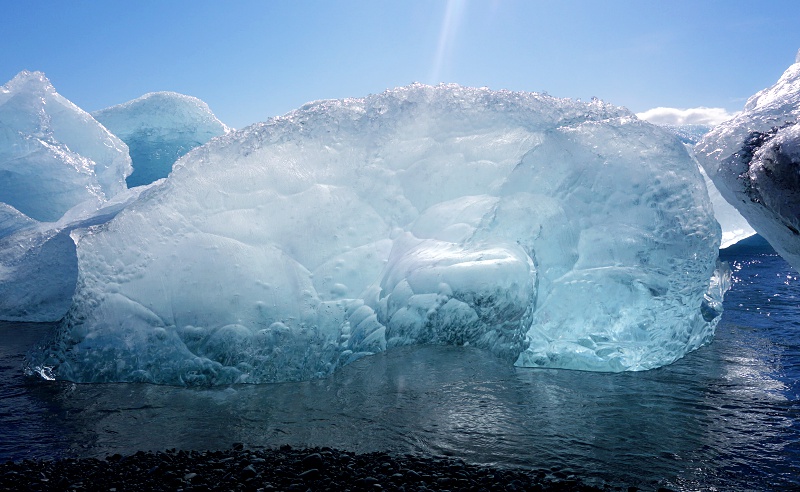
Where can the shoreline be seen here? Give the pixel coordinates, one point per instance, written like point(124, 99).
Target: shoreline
point(285, 468)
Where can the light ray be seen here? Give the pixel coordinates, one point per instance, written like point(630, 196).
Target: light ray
point(452, 18)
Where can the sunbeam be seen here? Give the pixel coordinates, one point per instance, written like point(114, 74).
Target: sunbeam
point(447, 35)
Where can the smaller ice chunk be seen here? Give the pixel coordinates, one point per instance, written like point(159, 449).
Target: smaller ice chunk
point(159, 128)
point(38, 272)
point(54, 155)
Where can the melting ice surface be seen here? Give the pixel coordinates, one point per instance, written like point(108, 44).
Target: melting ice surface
point(734, 226)
point(58, 167)
point(159, 128)
point(754, 160)
point(550, 232)
point(53, 155)
point(61, 171)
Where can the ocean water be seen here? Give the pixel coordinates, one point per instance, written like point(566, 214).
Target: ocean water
point(725, 417)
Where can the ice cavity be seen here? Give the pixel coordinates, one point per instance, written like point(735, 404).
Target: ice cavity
point(159, 128)
point(58, 168)
point(551, 232)
point(734, 226)
point(53, 155)
point(754, 159)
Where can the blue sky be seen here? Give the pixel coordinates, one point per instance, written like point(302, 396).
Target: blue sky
point(250, 60)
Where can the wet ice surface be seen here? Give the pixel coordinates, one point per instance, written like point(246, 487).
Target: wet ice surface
point(725, 416)
point(419, 216)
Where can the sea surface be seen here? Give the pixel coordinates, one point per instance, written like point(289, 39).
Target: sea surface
point(725, 417)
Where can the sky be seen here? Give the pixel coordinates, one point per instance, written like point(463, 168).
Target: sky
point(253, 59)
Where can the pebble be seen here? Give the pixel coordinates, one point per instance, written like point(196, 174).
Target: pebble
point(248, 472)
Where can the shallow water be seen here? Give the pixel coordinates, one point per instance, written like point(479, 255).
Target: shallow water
point(725, 417)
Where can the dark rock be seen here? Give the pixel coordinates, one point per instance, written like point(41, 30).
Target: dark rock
point(313, 461)
point(248, 472)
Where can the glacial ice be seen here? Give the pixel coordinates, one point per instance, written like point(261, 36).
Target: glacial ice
point(550, 232)
point(734, 226)
point(58, 169)
point(754, 159)
point(53, 155)
point(38, 260)
point(159, 128)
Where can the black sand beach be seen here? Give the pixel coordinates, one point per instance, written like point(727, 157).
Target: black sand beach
point(238, 468)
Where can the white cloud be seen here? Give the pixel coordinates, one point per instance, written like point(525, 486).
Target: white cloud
point(691, 116)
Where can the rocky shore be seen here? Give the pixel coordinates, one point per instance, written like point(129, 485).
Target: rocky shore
point(284, 469)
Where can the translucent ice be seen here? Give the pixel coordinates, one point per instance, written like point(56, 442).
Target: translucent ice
point(551, 232)
point(58, 166)
point(734, 226)
point(53, 155)
point(754, 159)
point(159, 128)
point(38, 262)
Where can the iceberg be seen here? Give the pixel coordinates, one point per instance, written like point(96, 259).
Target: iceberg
point(58, 169)
point(550, 232)
point(754, 160)
point(54, 155)
point(159, 128)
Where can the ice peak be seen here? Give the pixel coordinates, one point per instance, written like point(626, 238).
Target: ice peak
point(54, 155)
point(29, 82)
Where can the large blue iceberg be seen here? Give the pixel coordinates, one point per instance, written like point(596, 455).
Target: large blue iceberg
point(551, 232)
point(754, 159)
point(159, 128)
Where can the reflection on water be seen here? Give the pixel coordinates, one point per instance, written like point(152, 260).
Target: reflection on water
point(726, 416)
